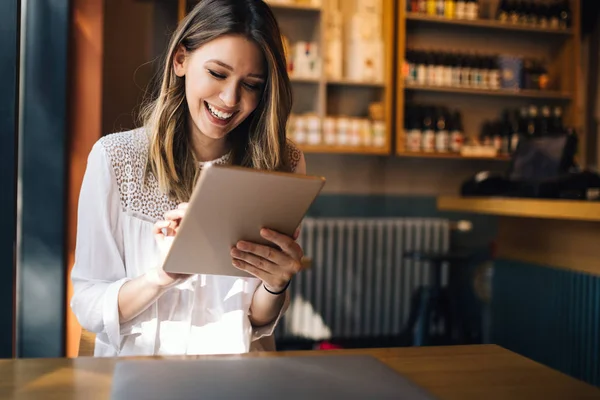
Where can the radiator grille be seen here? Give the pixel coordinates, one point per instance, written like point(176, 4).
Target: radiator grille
point(360, 282)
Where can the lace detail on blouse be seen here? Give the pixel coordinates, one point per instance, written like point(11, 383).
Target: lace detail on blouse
point(128, 155)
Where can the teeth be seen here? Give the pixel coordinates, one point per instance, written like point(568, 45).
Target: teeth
point(219, 114)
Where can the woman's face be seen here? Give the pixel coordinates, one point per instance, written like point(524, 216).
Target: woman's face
point(224, 80)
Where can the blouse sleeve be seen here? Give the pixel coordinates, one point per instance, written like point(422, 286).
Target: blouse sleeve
point(99, 270)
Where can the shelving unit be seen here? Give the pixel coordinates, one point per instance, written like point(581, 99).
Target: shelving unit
point(485, 24)
point(522, 93)
point(486, 36)
point(326, 97)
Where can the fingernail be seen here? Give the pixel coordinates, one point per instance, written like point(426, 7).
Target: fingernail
point(162, 224)
point(242, 245)
point(235, 263)
point(235, 252)
point(265, 232)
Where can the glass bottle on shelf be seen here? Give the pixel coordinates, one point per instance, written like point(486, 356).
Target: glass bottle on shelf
point(502, 12)
point(441, 132)
point(431, 7)
point(472, 10)
point(439, 7)
point(461, 6)
point(564, 20)
point(449, 8)
point(428, 127)
point(412, 129)
point(457, 137)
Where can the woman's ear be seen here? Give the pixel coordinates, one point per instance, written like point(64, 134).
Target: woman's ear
point(180, 61)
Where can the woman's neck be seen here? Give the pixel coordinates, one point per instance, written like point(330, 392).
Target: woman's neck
point(208, 149)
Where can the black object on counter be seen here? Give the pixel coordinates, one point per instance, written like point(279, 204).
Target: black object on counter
point(541, 167)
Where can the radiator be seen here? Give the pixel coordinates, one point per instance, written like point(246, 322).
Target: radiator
point(360, 282)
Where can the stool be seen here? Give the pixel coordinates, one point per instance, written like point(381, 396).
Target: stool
point(431, 304)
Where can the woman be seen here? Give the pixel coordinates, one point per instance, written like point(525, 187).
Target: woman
point(225, 97)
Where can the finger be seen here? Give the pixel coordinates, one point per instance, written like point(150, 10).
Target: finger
point(285, 243)
point(266, 252)
point(173, 215)
point(296, 234)
point(251, 269)
point(255, 261)
point(182, 206)
point(159, 226)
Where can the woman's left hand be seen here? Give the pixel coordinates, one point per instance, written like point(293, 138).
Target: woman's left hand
point(274, 266)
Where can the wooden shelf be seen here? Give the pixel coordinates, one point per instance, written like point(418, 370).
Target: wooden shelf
point(527, 208)
point(450, 156)
point(348, 82)
point(293, 6)
point(522, 93)
point(324, 149)
point(483, 24)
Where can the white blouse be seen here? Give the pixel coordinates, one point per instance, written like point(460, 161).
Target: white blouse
point(206, 314)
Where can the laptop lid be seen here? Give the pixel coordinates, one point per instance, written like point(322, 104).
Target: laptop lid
point(300, 377)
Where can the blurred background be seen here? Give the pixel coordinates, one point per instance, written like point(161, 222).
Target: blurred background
point(399, 104)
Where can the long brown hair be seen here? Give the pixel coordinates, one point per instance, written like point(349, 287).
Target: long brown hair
point(259, 141)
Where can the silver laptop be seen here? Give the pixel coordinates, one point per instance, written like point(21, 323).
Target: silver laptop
point(301, 377)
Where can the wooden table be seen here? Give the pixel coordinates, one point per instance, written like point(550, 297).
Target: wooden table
point(485, 372)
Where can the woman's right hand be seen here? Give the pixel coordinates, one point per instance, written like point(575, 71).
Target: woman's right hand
point(164, 232)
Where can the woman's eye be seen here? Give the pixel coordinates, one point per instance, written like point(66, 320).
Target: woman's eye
point(251, 86)
point(216, 74)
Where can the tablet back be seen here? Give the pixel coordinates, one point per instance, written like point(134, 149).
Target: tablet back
point(233, 203)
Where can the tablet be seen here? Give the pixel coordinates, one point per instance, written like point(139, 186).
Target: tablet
point(231, 203)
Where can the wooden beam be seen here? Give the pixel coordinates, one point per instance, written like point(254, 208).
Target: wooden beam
point(85, 117)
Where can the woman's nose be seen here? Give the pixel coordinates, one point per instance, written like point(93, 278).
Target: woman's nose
point(230, 95)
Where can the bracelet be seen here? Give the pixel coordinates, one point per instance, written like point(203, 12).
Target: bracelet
point(280, 292)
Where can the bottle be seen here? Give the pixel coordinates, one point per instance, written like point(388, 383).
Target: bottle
point(502, 11)
point(515, 132)
point(410, 76)
point(543, 15)
point(556, 123)
point(421, 68)
point(440, 61)
point(428, 133)
point(431, 7)
point(523, 12)
point(456, 70)
point(456, 133)
point(439, 7)
point(513, 12)
point(461, 6)
point(505, 133)
point(545, 122)
point(423, 6)
point(472, 10)
point(554, 16)
point(465, 72)
point(442, 137)
point(414, 6)
point(449, 9)
point(564, 20)
point(494, 74)
point(447, 71)
point(431, 69)
point(532, 121)
point(413, 133)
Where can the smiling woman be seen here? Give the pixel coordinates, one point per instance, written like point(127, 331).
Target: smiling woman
point(224, 97)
